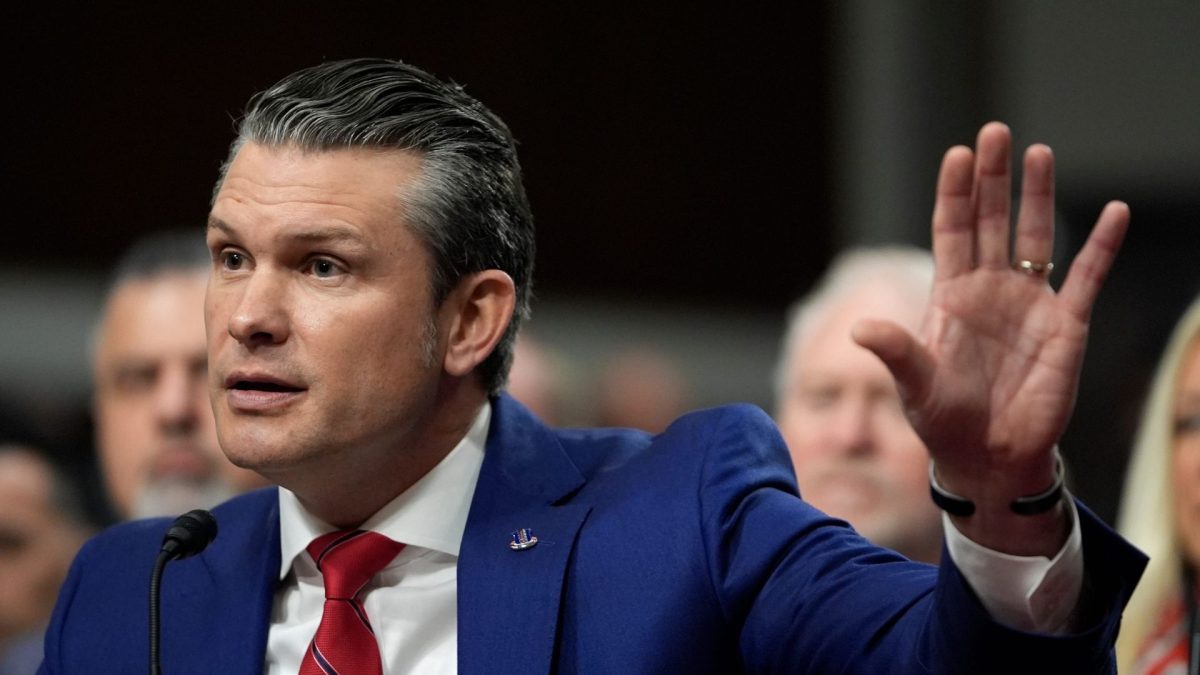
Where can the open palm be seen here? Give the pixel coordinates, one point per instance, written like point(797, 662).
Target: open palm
point(990, 382)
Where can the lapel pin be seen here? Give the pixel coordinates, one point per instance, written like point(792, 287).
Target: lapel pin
point(523, 539)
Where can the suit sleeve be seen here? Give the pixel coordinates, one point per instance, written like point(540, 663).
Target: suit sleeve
point(807, 594)
point(99, 623)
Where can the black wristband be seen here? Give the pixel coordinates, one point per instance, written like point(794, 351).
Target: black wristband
point(1022, 506)
point(948, 501)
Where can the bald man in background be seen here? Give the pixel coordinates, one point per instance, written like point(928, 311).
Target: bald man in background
point(154, 425)
point(855, 453)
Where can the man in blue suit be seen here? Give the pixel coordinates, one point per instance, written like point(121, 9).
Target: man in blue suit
point(372, 249)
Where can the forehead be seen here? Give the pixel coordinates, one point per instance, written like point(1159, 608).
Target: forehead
point(346, 182)
point(22, 478)
point(157, 314)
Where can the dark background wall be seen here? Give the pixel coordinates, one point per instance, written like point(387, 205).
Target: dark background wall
point(663, 147)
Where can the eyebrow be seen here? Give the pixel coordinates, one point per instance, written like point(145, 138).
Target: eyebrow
point(215, 223)
point(324, 233)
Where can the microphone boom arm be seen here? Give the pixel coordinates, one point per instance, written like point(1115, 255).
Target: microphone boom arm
point(190, 534)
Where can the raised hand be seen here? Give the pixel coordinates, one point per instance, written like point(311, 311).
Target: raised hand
point(990, 382)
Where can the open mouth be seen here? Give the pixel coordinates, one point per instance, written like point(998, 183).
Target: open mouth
point(251, 385)
point(259, 392)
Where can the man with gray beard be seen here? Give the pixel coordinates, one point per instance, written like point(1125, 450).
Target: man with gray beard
point(154, 426)
point(855, 453)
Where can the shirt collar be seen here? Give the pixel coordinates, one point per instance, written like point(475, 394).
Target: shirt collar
point(431, 514)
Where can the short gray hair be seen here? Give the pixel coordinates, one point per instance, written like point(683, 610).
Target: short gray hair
point(160, 253)
point(152, 257)
point(903, 269)
point(468, 207)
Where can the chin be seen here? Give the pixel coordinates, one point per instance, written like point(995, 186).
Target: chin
point(263, 456)
point(853, 505)
point(254, 450)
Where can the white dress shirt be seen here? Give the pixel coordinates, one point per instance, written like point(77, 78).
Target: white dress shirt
point(1032, 593)
point(413, 602)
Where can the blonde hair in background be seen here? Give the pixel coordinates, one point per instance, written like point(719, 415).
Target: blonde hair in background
point(1147, 517)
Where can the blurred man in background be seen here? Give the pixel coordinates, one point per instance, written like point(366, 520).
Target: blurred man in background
point(640, 387)
point(154, 425)
point(41, 528)
point(856, 456)
point(538, 380)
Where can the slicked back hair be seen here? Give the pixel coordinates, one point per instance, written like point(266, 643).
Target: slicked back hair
point(468, 206)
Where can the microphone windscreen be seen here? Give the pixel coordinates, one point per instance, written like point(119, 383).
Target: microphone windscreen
point(190, 534)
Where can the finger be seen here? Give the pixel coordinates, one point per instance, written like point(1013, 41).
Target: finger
point(953, 231)
point(1035, 223)
point(909, 362)
point(1091, 266)
point(993, 197)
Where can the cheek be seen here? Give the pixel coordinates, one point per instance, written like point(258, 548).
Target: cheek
point(203, 404)
point(799, 428)
point(904, 445)
point(316, 318)
point(125, 435)
point(365, 361)
point(215, 318)
point(210, 441)
point(1185, 484)
point(903, 453)
point(1185, 469)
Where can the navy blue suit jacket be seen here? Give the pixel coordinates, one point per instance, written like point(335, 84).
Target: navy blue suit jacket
point(688, 552)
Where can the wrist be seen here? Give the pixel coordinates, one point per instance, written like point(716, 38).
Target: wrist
point(1034, 504)
point(1038, 525)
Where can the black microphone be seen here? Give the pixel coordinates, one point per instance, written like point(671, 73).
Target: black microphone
point(187, 536)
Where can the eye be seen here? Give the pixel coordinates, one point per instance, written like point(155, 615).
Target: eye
point(12, 543)
point(1187, 424)
point(324, 268)
point(820, 398)
point(889, 399)
point(135, 378)
point(232, 260)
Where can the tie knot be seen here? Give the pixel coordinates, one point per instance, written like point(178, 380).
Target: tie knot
point(348, 559)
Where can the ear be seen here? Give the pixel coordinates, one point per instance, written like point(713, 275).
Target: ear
point(476, 314)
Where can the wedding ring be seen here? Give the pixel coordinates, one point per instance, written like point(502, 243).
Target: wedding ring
point(1034, 269)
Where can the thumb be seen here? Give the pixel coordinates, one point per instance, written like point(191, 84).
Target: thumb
point(909, 362)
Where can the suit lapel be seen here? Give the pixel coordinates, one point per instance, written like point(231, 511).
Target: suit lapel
point(508, 600)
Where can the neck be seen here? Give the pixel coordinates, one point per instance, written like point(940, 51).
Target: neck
point(356, 485)
point(928, 552)
point(922, 545)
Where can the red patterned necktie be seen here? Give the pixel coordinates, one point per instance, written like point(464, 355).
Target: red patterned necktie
point(345, 642)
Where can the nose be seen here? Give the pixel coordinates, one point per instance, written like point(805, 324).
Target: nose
point(850, 428)
point(259, 317)
point(177, 399)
